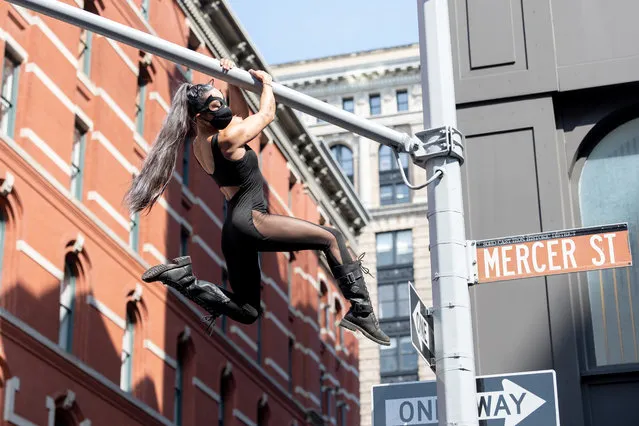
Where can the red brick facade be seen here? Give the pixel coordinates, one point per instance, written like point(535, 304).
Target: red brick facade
point(109, 312)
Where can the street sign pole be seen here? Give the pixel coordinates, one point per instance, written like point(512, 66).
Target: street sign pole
point(454, 350)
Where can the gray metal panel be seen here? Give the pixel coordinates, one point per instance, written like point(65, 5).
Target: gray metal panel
point(514, 177)
point(613, 404)
point(502, 48)
point(596, 42)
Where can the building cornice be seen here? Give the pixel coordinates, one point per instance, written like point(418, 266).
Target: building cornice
point(224, 36)
point(322, 87)
point(367, 70)
point(395, 210)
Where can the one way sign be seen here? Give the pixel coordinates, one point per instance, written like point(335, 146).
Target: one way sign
point(421, 327)
point(520, 399)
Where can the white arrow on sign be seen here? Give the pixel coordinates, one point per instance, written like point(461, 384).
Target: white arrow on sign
point(421, 326)
point(512, 404)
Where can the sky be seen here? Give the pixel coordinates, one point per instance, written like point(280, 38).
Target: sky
point(289, 30)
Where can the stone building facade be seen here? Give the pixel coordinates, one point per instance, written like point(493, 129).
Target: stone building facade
point(382, 85)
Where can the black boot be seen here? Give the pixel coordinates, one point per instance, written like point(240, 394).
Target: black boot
point(179, 275)
point(360, 316)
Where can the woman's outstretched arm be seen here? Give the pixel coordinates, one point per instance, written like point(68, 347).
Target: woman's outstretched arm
point(237, 135)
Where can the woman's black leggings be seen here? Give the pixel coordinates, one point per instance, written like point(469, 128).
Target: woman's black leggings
point(248, 231)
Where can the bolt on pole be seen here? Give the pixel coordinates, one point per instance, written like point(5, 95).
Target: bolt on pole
point(455, 359)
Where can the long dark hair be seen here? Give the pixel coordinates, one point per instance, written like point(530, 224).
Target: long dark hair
point(159, 164)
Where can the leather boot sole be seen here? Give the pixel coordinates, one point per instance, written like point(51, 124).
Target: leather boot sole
point(152, 274)
point(344, 323)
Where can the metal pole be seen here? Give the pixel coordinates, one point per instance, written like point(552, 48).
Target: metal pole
point(182, 55)
point(455, 359)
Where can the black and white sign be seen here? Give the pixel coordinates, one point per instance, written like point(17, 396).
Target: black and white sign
point(520, 399)
point(421, 327)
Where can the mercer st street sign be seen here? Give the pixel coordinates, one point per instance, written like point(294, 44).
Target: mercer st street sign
point(519, 399)
point(550, 253)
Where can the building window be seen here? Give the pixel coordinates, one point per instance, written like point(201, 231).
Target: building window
point(140, 107)
point(63, 417)
point(392, 189)
point(67, 304)
point(263, 414)
point(9, 95)
point(341, 413)
point(3, 228)
point(399, 358)
point(609, 170)
point(394, 248)
point(344, 157)
point(184, 241)
point(323, 394)
point(259, 339)
point(375, 104)
point(144, 8)
point(77, 160)
point(291, 346)
point(128, 339)
point(193, 43)
point(402, 100)
point(186, 157)
point(224, 408)
point(348, 104)
point(289, 275)
point(134, 234)
point(325, 307)
point(394, 270)
point(340, 330)
point(179, 381)
point(84, 51)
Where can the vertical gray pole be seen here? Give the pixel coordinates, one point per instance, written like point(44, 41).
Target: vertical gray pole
point(455, 359)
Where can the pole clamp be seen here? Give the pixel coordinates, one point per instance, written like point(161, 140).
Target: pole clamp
point(471, 259)
point(443, 141)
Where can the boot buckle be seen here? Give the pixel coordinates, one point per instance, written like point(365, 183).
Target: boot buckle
point(351, 278)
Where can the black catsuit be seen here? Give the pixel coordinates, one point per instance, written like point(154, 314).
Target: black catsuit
point(249, 229)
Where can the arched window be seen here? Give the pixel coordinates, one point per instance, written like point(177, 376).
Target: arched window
point(128, 346)
point(392, 189)
point(225, 408)
point(63, 418)
point(344, 157)
point(338, 316)
point(608, 194)
point(263, 412)
point(183, 345)
point(186, 160)
point(325, 307)
point(67, 303)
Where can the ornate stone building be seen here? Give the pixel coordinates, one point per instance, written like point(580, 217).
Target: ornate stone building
point(382, 85)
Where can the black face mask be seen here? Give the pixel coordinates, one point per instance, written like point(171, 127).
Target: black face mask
point(222, 116)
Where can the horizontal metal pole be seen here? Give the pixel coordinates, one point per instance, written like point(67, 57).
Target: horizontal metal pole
point(210, 66)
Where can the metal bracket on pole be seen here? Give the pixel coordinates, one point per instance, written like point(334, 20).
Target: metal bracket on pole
point(443, 141)
point(471, 258)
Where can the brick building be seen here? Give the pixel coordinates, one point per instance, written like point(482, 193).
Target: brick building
point(82, 340)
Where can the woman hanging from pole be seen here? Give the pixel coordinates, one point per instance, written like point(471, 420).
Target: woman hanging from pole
point(220, 145)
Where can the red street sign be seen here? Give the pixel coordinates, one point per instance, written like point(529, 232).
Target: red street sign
point(551, 253)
